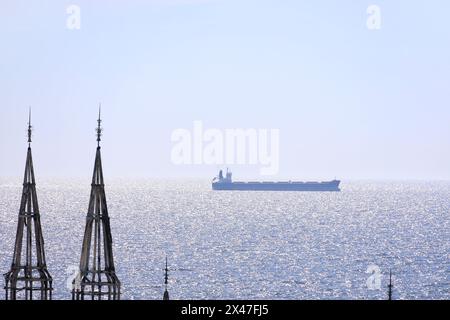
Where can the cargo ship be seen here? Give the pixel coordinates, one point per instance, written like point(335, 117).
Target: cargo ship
point(222, 182)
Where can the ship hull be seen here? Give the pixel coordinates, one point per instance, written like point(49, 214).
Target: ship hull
point(331, 186)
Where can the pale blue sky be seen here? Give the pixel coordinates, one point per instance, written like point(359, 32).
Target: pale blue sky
point(349, 102)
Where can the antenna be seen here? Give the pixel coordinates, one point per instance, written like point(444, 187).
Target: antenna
point(99, 127)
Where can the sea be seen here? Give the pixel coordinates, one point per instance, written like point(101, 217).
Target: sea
point(249, 245)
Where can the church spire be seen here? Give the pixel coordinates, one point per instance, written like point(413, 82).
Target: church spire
point(390, 286)
point(97, 279)
point(166, 282)
point(28, 278)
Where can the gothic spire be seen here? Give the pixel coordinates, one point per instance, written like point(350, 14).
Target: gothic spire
point(28, 277)
point(97, 277)
point(390, 286)
point(166, 282)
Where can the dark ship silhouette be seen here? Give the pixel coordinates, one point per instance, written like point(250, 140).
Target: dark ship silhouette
point(226, 183)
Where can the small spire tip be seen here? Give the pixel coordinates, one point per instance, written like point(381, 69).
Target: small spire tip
point(99, 128)
point(30, 128)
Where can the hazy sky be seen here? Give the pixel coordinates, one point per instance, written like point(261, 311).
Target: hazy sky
point(349, 102)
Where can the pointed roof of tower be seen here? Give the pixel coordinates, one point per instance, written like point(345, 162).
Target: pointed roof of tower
point(28, 277)
point(97, 270)
point(97, 176)
point(390, 286)
point(166, 282)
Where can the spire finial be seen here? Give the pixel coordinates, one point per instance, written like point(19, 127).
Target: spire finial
point(166, 276)
point(30, 128)
point(99, 127)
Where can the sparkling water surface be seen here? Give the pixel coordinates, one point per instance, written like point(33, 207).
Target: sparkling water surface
point(249, 245)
